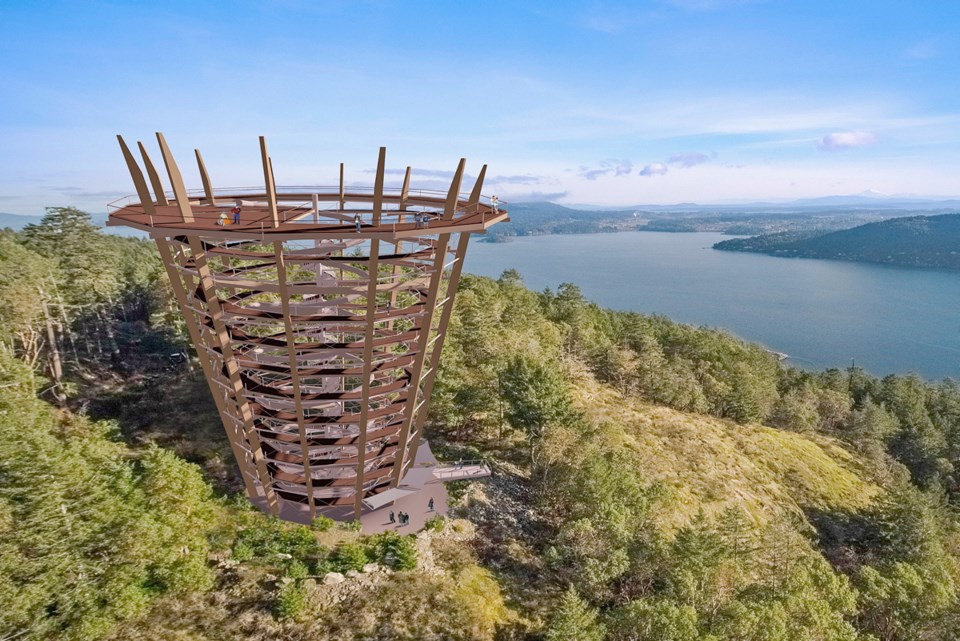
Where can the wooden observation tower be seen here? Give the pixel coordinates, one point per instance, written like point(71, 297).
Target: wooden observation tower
point(318, 317)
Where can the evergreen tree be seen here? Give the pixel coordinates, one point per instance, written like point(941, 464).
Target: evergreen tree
point(574, 620)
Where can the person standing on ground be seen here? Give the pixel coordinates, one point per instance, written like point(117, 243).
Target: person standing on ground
point(393, 519)
point(430, 505)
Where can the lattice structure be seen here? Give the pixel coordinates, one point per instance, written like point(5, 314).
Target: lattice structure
point(318, 318)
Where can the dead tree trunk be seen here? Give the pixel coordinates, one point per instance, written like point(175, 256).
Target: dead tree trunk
point(55, 364)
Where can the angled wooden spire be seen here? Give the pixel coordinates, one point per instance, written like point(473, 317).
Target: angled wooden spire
point(142, 191)
point(378, 186)
point(268, 182)
point(451, 205)
point(207, 187)
point(405, 190)
point(474, 203)
point(176, 180)
point(158, 191)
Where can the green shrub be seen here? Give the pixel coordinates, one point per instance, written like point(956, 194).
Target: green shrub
point(322, 524)
point(351, 526)
point(242, 551)
point(297, 570)
point(435, 524)
point(290, 600)
point(349, 556)
point(393, 550)
point(275, 537)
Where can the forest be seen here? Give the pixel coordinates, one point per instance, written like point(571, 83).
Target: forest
point(653, 481)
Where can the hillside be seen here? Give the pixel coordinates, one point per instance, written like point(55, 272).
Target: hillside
point(711, 465)
point(653, 481)
point(916, 241)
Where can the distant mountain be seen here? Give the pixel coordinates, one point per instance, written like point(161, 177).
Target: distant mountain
point(538, 218)
point(864, 200)
point(916, 241)
point(16, 221)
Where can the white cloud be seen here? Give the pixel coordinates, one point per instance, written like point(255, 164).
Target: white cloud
point(654, 169)
point(846, 140)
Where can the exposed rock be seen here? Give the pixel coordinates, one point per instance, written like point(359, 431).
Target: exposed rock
point(333, 578)
point(370, 567)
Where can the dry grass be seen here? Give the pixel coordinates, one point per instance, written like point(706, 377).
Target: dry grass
point(710, 464)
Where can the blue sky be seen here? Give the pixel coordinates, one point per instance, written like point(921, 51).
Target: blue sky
point(578, 102)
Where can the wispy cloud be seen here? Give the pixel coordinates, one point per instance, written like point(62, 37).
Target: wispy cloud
point(513, 179)
point(688, 159)
point(654, 169)
point(81, 192)
point(538, 196)
point(847, 140)
point(683, 160)
point(427, 173)
point(610, 167)
point(516, 179)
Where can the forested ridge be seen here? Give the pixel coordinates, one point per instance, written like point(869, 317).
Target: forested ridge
point(653, 481)
point(915, 241)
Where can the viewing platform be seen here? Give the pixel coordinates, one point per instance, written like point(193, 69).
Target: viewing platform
point(323, 211)
point(318, 315)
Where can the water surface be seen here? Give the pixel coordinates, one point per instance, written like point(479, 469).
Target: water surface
point(822, 313)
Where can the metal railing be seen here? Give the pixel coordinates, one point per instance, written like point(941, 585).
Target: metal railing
point(463, 469)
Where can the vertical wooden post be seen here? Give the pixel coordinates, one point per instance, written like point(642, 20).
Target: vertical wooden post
point(373, 272)
point(436, 277)
point(294, 373)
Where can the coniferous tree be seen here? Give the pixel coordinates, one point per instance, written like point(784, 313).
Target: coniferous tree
point(574, 620)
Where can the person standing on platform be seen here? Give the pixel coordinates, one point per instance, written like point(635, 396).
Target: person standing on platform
point(236, 215)
point(495, 203)
point(356, 220)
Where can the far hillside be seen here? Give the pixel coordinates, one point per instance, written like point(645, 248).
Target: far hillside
point(916, 241)
point(539, 218)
